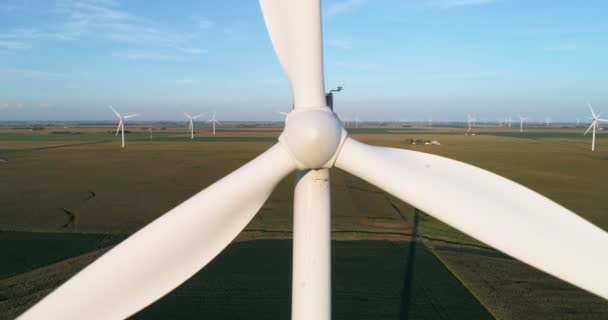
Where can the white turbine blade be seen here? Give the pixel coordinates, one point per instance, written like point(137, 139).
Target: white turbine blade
point(217, 122)
point(187, 115)
point(168, 251)
point(591, 109)
point(118, 128)
point(196, 116)
point(591, 126)
point(130, 116)
point(490, 208)
point(115, 112)
point(295, 30)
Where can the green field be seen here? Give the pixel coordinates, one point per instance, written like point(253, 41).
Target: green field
point(65, 195)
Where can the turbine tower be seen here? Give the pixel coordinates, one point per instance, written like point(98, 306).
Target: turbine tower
point(521, 123)
point(161, 256)
point(594, 124)
point(191, 126)
point(213, 120)
point(121, 123)
point(470, 120)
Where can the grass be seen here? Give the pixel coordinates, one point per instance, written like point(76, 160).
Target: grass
point(49, 180)
point(26, 251)
point(252, 279)
point(544, 135)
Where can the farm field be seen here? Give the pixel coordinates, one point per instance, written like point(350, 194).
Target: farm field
point(73, 193)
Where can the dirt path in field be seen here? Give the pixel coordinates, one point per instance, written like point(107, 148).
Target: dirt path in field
point(72, 214)
point(68, 145)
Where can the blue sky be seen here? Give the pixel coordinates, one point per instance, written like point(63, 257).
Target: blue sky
point(410, 59)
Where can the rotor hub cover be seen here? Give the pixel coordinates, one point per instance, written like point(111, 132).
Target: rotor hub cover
point(312, 137)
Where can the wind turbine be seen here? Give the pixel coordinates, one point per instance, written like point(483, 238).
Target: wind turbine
point(509, 121)
point(121, 123)
point(191, 126)
point(470, 120)
point(167, 252)
point(213, 120)
point(343, 119)
point(594, 124)
point(284, 114)
point(521, 123)
point(356, 114)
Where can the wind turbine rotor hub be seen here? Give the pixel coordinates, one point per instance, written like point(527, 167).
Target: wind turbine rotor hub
point(313, 137)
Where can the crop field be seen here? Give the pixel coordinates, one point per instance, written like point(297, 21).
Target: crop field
point(68, 194)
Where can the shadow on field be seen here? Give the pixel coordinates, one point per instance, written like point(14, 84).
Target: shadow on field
point(409, 270)
point(252, 280)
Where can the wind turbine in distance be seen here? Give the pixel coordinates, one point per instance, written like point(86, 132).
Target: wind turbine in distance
point(594, 124)
point(167, 252)
point(470, 120)
point(191, 127)
point(213, 120)
point(356, 120)
point(121, 123)
point(284, 114)
point(521, 123)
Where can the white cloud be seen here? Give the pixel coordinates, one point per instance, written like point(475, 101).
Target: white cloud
point(148, 56)
point(459, 75)
point(202, 22)
point(192, 50)
point(563, 47)
point(13, 45)
point(28, 73)
point(184, 81)
point(445, 4)
point(338, 43)
point(106, 19)
point(344, 7)
point(98, 19)
point(361, 66)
